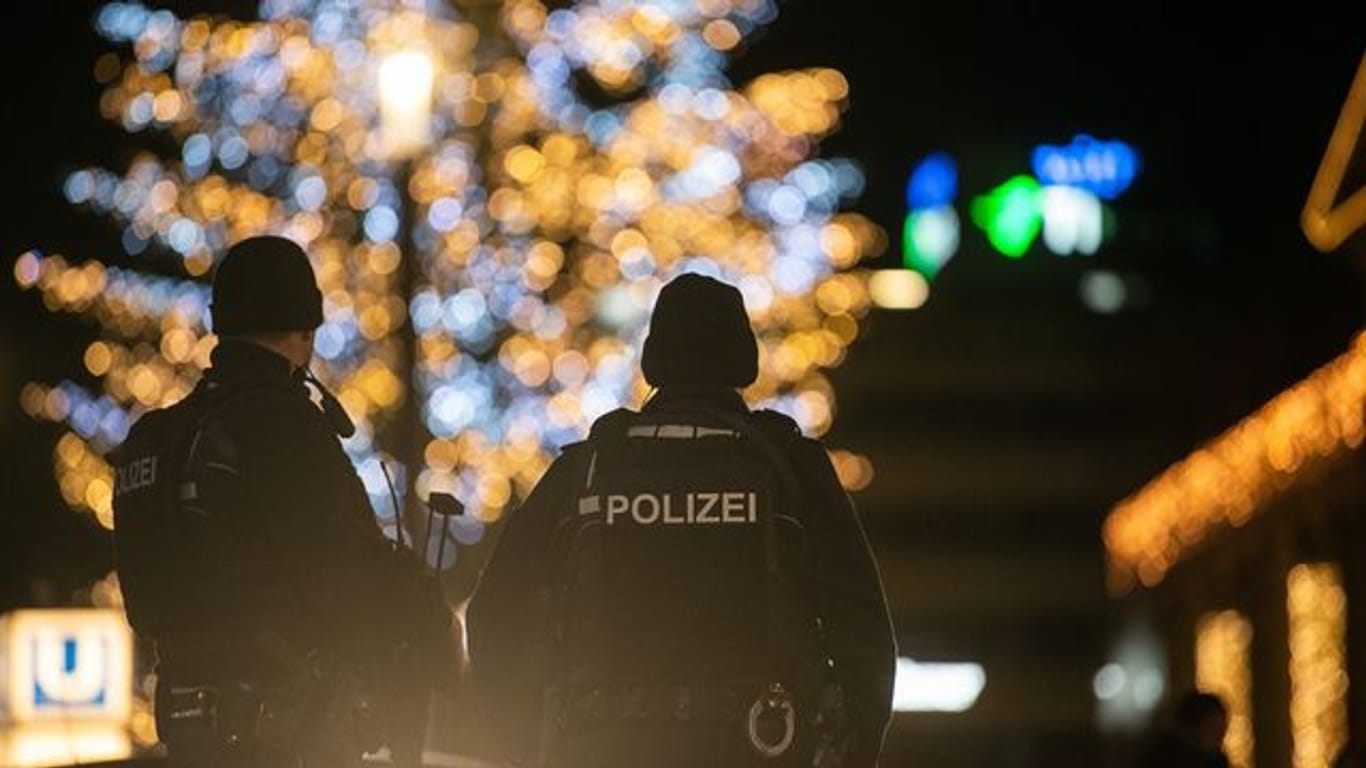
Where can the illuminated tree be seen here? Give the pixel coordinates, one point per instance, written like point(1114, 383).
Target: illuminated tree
point(571, 162)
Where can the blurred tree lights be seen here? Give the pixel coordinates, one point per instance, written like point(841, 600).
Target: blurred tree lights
point(544, 222)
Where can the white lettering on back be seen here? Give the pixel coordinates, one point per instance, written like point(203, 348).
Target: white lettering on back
point(136, 474)
point(641, 501)
point(697, 508)
point(733, 508)
point(616, 505)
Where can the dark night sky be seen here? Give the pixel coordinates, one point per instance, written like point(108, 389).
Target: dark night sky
point(1230, 122)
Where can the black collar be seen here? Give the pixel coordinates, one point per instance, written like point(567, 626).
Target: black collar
point(681, 400)
point(236, 358)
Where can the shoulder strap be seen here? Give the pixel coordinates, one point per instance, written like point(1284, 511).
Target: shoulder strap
point(216, 396)
point(609, 430)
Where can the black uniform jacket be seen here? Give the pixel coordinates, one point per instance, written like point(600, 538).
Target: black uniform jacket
point(285, 541)
point(509, 617)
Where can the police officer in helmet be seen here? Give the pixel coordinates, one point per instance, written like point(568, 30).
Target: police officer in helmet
point(690, 585)
point(248, 551)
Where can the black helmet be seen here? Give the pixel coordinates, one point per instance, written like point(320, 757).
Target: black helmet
point(265, 284)
point(700, 337)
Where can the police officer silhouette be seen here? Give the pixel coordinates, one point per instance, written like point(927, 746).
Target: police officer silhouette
point(690, 585)
point(248, 551)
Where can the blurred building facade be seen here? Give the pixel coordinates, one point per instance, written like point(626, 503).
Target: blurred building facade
point(1243, 560)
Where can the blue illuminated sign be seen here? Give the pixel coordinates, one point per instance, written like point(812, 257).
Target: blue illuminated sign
point(1104, 168)
point(69, 671)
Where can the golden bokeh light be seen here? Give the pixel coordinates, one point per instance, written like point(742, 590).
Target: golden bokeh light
point(1223, 667)
point(541, 228)
point(1317, 610)
point(1240, 473)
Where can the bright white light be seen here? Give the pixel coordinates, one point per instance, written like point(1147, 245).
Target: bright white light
point(381, 224)
point(405, 96)
point(1073, 221)
point(444, 214)
point(898, 289)
point(1103, 292)
point(936, 686)
point(1109, 681)
point(34, 746)
point(710, 104)
point(1132, 682)
point(1148, 689)
point(617, 308)
point(787, 205)
point(717, 166)
point(464, 310)
point(311, 193)
point(453, 408)
point(756, 289)
point(934, 234)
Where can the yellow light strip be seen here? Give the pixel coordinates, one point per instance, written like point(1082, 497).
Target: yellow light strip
point(1239, 473)
point(1223, 646)
point(1317, 607)
point(1324, 224)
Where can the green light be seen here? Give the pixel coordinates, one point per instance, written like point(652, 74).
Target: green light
point(1011, 214)
point(929, 239)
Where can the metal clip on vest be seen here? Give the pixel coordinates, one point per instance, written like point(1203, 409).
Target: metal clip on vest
point(772, 705)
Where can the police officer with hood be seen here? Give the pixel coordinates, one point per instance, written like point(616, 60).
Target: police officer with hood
point(690, 585)
point(247, 550)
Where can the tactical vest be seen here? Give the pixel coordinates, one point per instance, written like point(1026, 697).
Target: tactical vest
point(685, 592)
point(179, 535)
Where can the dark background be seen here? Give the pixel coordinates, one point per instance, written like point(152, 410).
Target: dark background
point(1004, 418)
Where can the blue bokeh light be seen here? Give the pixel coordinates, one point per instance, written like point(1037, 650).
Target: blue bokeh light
point(933, 183)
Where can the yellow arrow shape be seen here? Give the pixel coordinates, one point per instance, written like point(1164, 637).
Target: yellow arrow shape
point(1325, 225)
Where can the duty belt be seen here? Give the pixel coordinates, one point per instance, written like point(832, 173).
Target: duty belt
point(767, 714)
point(642, 702)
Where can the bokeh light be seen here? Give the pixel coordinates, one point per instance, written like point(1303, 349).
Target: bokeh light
point(1240, 473)
point(1011, 215)
point(1103, 168)
point(543, 225)
point(898, 289)
point(929, 239)
point(1223, 667)
point(933, 183)
point(1317, 606)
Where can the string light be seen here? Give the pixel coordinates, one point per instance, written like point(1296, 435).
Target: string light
point(1240, 473)
point(1223, 666)
point(1317, 607)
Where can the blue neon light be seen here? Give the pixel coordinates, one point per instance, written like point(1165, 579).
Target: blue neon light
point(1104, 168)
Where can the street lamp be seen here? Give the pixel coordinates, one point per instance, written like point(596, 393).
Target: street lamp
point(406, 78)
point(405, 85)
point(405, 103)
